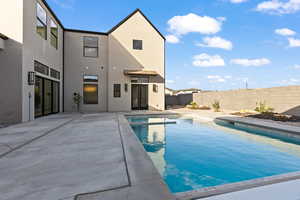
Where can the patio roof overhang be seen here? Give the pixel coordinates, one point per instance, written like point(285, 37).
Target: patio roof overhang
point(139, 72)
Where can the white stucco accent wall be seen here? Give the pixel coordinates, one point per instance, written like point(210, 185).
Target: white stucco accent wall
point(123, 56)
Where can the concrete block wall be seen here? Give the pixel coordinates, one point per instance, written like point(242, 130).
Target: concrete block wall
point(282, 99)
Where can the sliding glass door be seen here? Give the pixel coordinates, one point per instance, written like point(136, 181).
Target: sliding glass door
point(139, 97)
point(46, 99)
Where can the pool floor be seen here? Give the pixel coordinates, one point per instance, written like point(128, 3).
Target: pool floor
point(191, 155)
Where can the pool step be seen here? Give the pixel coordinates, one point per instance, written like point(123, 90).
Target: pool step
point(152, 123)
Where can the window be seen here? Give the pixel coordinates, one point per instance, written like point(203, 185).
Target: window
point(54, 34)
point(140, 80)
point(90, 78)
point(39, 67)
point(41, 26)
point(138, 44)
point(90, 46)
point(54, 74)
point(126, 87)
point(117, 90)
point(155, 88)
point(90, 93)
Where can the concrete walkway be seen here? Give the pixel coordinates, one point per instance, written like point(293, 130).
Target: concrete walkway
point(66, 156)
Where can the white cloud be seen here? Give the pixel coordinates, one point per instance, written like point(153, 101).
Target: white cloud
point(291, 81)
point(170, 81)
point(216, 42)
point(64, 3)
point(251, 62)
point(279, 7)
point(285, 32)
point(296, 66)
point(217, 78)
point(172, 39)
point(181, 25)
point(205, 60)
point(237, 1)
point(194, 82)
point(294, 42)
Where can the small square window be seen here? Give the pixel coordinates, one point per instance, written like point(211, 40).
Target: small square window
point(138, 44)
point(126, 87)
point(155, 88)
point(117, 90)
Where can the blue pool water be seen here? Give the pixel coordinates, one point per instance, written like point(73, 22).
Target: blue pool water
point(191, 155)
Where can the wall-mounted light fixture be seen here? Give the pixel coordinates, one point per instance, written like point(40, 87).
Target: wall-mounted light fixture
point(31, 78)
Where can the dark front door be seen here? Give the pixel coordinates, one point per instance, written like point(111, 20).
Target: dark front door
point(139, 97)
point(46, 97)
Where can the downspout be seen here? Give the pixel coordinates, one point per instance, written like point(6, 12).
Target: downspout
point(63, 81)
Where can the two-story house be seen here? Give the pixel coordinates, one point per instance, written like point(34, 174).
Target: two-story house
point(42, 64)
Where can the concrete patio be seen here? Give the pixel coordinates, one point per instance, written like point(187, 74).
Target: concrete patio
point(69, 156)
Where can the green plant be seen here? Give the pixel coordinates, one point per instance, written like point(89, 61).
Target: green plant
point(193, 105)
point(262, 107)
point(77, 100)
point(216, 106)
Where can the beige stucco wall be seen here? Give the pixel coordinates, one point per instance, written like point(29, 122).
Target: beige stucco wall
point(123, 56)
point(282, 99)
point(37, 48)
point(76, 65)
point(11, 25)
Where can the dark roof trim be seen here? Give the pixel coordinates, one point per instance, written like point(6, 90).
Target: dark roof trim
point(101, 33)
point(129, 16)
point(54, 15)
point(83, 31)
point(4, 37)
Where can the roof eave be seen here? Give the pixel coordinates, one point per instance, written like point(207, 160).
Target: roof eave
point(129, 16)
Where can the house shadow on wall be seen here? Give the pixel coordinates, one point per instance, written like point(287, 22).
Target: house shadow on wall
point(293, 111)
point(132, 63)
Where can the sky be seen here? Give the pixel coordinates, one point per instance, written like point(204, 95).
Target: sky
point(210, 44)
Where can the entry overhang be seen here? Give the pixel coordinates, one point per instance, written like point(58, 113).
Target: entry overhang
point(138, 72)
point(2, 38)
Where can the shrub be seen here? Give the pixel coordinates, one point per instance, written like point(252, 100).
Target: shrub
point(193, 105)
point(77, 100)
point(216, 106)
point(262, 107)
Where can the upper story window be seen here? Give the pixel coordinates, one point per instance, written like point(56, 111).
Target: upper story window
point(54, 34)
point(138, 44)
point(41, 24)
point(90, 46)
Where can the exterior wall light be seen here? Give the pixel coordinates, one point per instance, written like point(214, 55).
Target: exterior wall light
point(31, 78)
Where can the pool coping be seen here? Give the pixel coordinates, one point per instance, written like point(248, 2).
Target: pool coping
point(263, 124)
point(242, 185)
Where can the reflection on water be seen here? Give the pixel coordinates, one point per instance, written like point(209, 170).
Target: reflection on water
point(153, 139)
point(191, 155)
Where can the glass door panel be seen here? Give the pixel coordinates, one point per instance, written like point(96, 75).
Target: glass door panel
point(38, 97)
point(143, 97)
point(55, 97)
point(47, 97)
point(134, 97)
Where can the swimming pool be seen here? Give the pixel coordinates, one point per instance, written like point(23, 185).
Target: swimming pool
point(192, 155)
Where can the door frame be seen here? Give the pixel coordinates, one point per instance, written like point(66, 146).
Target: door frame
point(139, 96)
point(43, 93)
